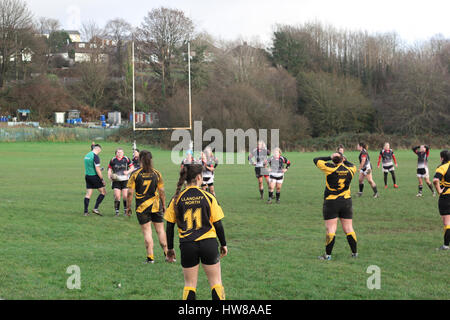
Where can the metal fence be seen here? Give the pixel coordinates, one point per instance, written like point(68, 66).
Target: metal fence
point(54, 134)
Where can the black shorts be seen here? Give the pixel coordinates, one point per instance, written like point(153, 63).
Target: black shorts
point(148, 216)
point(341, 208)
point(208, 181)
point(119, 185)
point(93, 182)
point(193, 252)
point(260, 172)
point(444, 205)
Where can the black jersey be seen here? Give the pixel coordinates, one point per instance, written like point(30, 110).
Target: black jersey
point(200, 211)
point(136, 163)
point(422, 157)
point(365, 155)
point(338, 178)
point(146, 186)
point(118, 166)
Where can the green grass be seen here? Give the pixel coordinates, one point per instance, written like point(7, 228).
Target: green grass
point(272, 249)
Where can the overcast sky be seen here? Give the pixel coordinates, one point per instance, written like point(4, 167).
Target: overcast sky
point(413, 20)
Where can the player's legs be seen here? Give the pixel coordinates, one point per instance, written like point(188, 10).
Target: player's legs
point(124, 199)
point(446, 222)
point(420, 186)
point(161, 232)
point(429, 184)
point(211, 190)
point(190, 282)
point(87, 198)
point(272, 185)
point(347, 226)
point(331, 227)
point(260, 186)
point(147, 231)
point(361, 183)
point(213, 273)
point(278, 188)
point(372, 184)
point(117, 192)
point(99, 200)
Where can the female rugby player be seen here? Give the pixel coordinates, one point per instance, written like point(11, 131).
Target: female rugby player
point(119, 168)
point(441, 182)
point(150, 202)
point(278, 165)
point(258, 158)
point(338, 201)
point(365, 170)
point(423, 153)
point(198, 216)
point(388, 159)
point(210, 163)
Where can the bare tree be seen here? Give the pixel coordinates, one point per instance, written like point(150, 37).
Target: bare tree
point(161, 34)
point(49, 25)
point(15, 19)
point(119, 31)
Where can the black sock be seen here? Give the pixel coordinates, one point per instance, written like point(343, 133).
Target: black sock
point(361, 187)
point(351, 238)
point(189, 293)
point(393, 177)
point(116, 205)
point(278, 196)
point(331, 237)
point(270, 195)
point(447, 236)
point(86, 205)
point(125, 204)
point(385, 178)
point(99, 200)
point(375, 190)
point(430, 186)
point(420, 188)
point(261, 192)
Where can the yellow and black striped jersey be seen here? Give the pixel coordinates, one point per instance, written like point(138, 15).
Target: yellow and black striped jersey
point(146, 186)
point(200, 210)
point(338, 178)
point(443, 174)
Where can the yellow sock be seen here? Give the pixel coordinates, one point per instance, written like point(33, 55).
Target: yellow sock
point(189, 293)
point(218, 292)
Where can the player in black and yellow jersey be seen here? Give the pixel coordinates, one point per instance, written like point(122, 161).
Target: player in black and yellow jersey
point(148, 184)
point(198, 216)
point(441, 182)
point(338, 202)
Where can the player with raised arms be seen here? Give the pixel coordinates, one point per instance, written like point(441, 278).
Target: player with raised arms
point(365, 170)
point(387, 158)
point(337, 201)
point(148, 184)
point(423, 153)
point(441, 182)
point(199, 218)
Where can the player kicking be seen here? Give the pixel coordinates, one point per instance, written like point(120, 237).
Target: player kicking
point(365, 170)
point(338, 202)
point(258, 158)
point(150, 202)
point(423, 153)
point(118, 170)
point(209, 163)
point(278, 166)
point(94, 179)
point(442, 184)
point(388, 159)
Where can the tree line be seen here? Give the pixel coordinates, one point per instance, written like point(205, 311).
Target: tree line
point(313, 81)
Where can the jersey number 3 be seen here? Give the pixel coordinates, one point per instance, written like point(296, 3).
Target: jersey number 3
point(191, 216)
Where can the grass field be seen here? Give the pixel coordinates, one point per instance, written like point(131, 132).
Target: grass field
point(272, 249)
